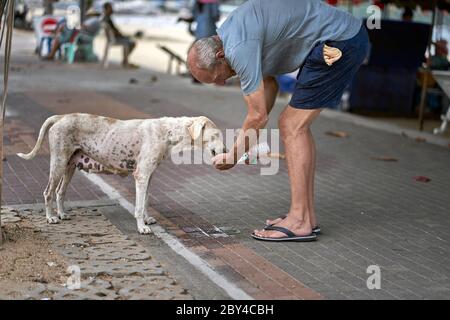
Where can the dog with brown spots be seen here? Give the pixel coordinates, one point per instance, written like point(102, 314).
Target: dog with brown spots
point(98, 144)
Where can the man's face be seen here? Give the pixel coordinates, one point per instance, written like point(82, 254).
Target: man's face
point(219, 75)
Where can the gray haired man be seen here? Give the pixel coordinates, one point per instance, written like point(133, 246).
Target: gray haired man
point(262, 39)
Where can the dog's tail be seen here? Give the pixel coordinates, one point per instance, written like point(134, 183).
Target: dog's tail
point(47, 124)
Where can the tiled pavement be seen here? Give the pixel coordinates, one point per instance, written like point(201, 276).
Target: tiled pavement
point(372, 212)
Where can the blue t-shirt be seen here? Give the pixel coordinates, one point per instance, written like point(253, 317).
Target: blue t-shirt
point(268, 38)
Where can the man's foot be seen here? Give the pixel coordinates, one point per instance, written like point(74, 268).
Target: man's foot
point(289, 236)
point(298, 228)
point(274, 221)
point(315, 227)
point(47, 58)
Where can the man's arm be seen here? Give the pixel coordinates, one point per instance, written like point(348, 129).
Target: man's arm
point(259, 105)
point(271, 92)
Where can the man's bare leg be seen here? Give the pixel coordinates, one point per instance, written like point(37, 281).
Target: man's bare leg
point(54, 49)
point(312, 215)
point(127, 49)
point(300, 156)
point(126, 52)
point(56, 43)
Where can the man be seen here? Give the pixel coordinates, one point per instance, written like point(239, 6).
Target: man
point(439, 60)
point(206, 13)
point(265, 38)
point(92, 25)
point(126, 42)
point(408, 15)
point(64, 34)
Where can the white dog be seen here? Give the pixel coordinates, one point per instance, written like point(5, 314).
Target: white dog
point(106, 145)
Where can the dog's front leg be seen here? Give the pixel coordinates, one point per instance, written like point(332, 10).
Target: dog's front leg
point(148, 219)
point(142, 184)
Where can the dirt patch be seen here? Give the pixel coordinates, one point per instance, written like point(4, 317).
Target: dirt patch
point(26, 256)
point(103, 263)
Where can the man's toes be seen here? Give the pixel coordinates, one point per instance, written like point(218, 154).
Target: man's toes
point(266, 234)
point(259, 233)
point(271, 222)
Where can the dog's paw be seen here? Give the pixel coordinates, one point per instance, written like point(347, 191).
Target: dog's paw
point(149, 220)
point(144, 230)
point(52, 220)
point(64, 216)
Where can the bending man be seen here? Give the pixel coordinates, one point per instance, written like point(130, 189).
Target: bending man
point(262, 39)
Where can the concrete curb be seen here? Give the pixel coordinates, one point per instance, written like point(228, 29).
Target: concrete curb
point(68, 204)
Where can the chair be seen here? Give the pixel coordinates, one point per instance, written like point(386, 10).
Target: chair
point(86, 45)
point(81, 43)
point(110, 41)
point(69, 49)
point(443, 79)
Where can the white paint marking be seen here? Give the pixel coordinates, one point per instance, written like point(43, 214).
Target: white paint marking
point(230, 288)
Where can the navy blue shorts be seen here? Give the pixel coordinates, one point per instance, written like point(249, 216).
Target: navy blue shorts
point(322, 86)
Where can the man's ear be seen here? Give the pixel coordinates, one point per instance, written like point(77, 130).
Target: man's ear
point(220, 54)
point(195, 129)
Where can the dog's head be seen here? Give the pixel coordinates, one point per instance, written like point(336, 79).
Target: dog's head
point(205, 133)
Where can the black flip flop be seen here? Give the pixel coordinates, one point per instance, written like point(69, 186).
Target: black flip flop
point(315, 230)
point(290, 236)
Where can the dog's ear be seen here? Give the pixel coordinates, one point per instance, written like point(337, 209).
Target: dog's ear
point(195, 129)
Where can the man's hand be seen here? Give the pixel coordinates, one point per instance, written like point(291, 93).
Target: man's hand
point(224, 161)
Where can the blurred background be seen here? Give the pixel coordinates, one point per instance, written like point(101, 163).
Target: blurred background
point(405, 81)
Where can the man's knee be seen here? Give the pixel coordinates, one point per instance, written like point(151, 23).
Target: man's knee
point(295, 121)
point(290, 126)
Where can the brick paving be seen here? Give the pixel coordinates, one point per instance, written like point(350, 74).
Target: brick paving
point(371, 212)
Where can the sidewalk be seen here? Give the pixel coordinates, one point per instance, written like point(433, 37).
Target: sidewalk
point(84, 258)
point(371, 212)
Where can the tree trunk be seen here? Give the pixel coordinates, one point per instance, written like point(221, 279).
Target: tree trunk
point(8, 39)
point(83, 9)
point(1, 179)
